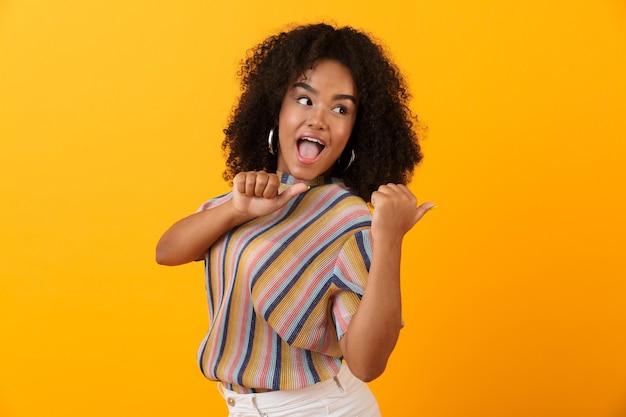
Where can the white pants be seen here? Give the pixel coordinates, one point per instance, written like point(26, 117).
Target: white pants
point(343, 396)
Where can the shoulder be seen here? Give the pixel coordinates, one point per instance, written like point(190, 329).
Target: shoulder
point(339, 201)
point(214, 202)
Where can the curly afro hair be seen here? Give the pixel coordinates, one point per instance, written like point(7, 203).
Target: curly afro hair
point(383, 138)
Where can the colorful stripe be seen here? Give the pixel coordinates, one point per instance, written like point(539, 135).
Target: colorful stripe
point(282, 288)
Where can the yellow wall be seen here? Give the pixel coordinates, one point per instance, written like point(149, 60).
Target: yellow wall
point(110, 124)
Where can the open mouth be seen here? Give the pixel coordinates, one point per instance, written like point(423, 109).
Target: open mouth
point(310, 148)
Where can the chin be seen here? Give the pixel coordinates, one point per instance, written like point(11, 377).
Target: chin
point(306, 174)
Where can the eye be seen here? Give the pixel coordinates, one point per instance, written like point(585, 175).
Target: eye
point(305, 101)
point(340, 110)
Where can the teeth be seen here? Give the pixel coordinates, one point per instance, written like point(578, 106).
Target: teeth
point(312, 140)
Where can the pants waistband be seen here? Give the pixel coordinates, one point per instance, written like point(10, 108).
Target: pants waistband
point(286, 398)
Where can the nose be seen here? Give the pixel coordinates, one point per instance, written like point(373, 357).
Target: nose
point(317, 119)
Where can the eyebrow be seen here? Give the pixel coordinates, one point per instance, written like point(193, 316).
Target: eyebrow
point(314, 91)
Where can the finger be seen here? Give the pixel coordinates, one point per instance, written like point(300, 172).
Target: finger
point(292, 191)
point(250, 184)
point(239, 183)
point(407, 192)
point(405, 195)
point(271, 187)
point(376, 195)
point(401, 191)
point(394, 190)
point(261, 181)
point(385, 188)
point(392, 194)
point(424, 208)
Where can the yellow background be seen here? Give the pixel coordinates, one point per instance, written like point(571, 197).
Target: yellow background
point(110, 125)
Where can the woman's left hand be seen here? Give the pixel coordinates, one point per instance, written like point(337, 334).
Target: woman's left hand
point(396, 210)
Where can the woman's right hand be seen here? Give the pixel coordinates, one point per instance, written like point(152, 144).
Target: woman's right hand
point(256, 193)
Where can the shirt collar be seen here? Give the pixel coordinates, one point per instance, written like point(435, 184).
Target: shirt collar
point(287, 179)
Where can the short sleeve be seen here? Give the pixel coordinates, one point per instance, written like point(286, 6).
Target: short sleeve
point(351, 271)
point(209, 204)
point(214, 202)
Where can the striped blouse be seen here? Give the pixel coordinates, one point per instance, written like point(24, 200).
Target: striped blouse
point(282, 289)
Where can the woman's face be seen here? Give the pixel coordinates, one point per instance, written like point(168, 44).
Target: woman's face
point(316, 119)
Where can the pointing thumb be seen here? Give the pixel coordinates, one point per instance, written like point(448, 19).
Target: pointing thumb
point(293, 190)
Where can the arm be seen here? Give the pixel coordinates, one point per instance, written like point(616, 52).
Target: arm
point(374, 329)
point(254, 194)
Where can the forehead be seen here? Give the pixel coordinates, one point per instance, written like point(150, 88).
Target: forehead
point(329, 74)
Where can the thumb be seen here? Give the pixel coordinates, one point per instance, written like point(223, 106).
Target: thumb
point(424, 208)
point(292, 191)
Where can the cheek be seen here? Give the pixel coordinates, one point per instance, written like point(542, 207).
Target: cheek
point(345, 130)
point(287, 118)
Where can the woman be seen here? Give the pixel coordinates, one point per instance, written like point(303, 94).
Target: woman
point(303, 279)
